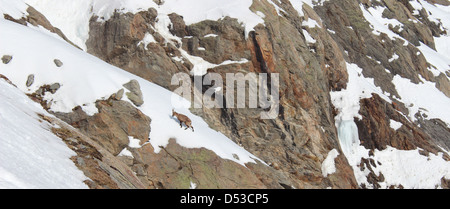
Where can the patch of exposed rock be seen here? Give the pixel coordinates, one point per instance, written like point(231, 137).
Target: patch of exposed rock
point(112, 125)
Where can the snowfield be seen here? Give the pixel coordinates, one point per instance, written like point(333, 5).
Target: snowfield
point(31, 155)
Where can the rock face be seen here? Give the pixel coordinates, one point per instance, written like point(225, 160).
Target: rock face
point(303, 132)
point(135, 94)
point(296, 143)
point(30, 80)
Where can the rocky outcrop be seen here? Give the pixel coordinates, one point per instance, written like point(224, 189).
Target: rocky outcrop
point(106, 133)
point(30, 80)
point(376, 132)
point(296, 142)
point(112, 126)
point(35, 18)
point(117, 43)
point(6, 59)
point(58, 62)
point(135, 94)
point(104, 170)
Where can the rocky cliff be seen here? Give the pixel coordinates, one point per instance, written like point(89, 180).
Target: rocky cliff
point(318, 49)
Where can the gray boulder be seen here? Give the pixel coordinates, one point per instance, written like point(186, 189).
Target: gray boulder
point(30, 80)
point(6, 59)
point(58, 62)
point(135, 94)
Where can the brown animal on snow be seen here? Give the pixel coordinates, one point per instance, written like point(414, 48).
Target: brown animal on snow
point(183, 119)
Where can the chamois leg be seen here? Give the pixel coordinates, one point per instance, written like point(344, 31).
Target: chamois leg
point(181, 124)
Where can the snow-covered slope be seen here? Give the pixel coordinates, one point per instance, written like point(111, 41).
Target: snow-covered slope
point(31, 156)
point(85, 79)
point(399, 167)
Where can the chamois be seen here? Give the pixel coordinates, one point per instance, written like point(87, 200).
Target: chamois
point(183, 119)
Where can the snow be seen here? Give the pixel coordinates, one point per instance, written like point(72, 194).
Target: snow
point(423, 97)
point(401, 167)
point(443, 45)
point(73, 20)
point(148, 38)
point(277, 8)
point(72, 17)
point(298, 5)
point(194, 11)
point(85, 79)
point(331, 31)
point(200, 66)
point(394, 124)
point(394, 57)
point(15, 9)
point(358, 87)
point(134, 143)
point(346, 102)
point(90, 109)
point(31, 155)
point(260, 14)
point(410, 169)
point(440, 15)
point(328, 165)
point(440, 62)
